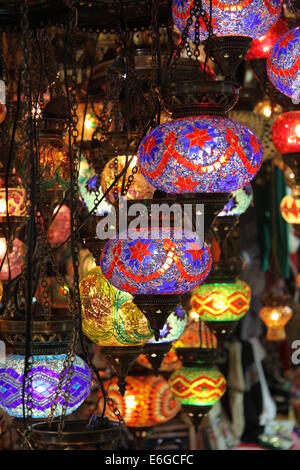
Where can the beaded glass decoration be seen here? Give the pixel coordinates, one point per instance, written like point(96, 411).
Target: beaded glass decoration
point(148, 401)
point(170, 264)
point(238, 203)
point(286, 132)
point(173, 327)
point(109, 316)
point(221, 301)
point(200, 154)
point(283, 64)
point(43, 379)
point(198, 386)
point(251, 18)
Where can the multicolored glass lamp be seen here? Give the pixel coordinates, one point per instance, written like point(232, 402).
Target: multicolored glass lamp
point(171, 331)
point(207, 154)
point(234, 25)
point(221, 305)
point(197, 387)
point(283, 64)
point(111, 320)
point(229, 18)
point(275, 318)
point(197, 384)
point(156, 270)
point(148, 402)
point(43, 378)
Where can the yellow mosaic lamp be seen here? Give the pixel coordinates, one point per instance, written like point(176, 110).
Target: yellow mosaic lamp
point(109, 316)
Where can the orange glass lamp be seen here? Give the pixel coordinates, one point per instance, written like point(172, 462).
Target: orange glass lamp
point(139, 187)
point(148, 401)
point(275, 318)
point(111, 320)
point(221, 305)
point(290, 207)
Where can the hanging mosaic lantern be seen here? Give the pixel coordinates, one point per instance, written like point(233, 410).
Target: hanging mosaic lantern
point(261, 46)
point(221, 305)
point(148, 401)
point(109, 316)
point(286, 132)
point(221, 302)
point(170, 264)
point(200, 154)
point(234, 18)
point(283, 64)
point(138, 189)
point(88, 183)
point(43, 379)
point(197, 388)
point(238, 203)
point(275, 318)
point(290, 207)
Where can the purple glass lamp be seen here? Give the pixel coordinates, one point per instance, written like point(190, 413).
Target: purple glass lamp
point(43, 378)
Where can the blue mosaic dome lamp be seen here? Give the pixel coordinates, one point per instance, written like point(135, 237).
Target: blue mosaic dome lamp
point(283, 64)
point(156, 270)
point(234, 24)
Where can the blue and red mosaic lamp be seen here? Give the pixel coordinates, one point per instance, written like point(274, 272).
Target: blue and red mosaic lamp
point(43, 379)
point(146, 266)
point(207, 154)
point(283, 64)
point(250, 18)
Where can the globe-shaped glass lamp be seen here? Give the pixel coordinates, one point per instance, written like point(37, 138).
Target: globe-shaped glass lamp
point(43, 379)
